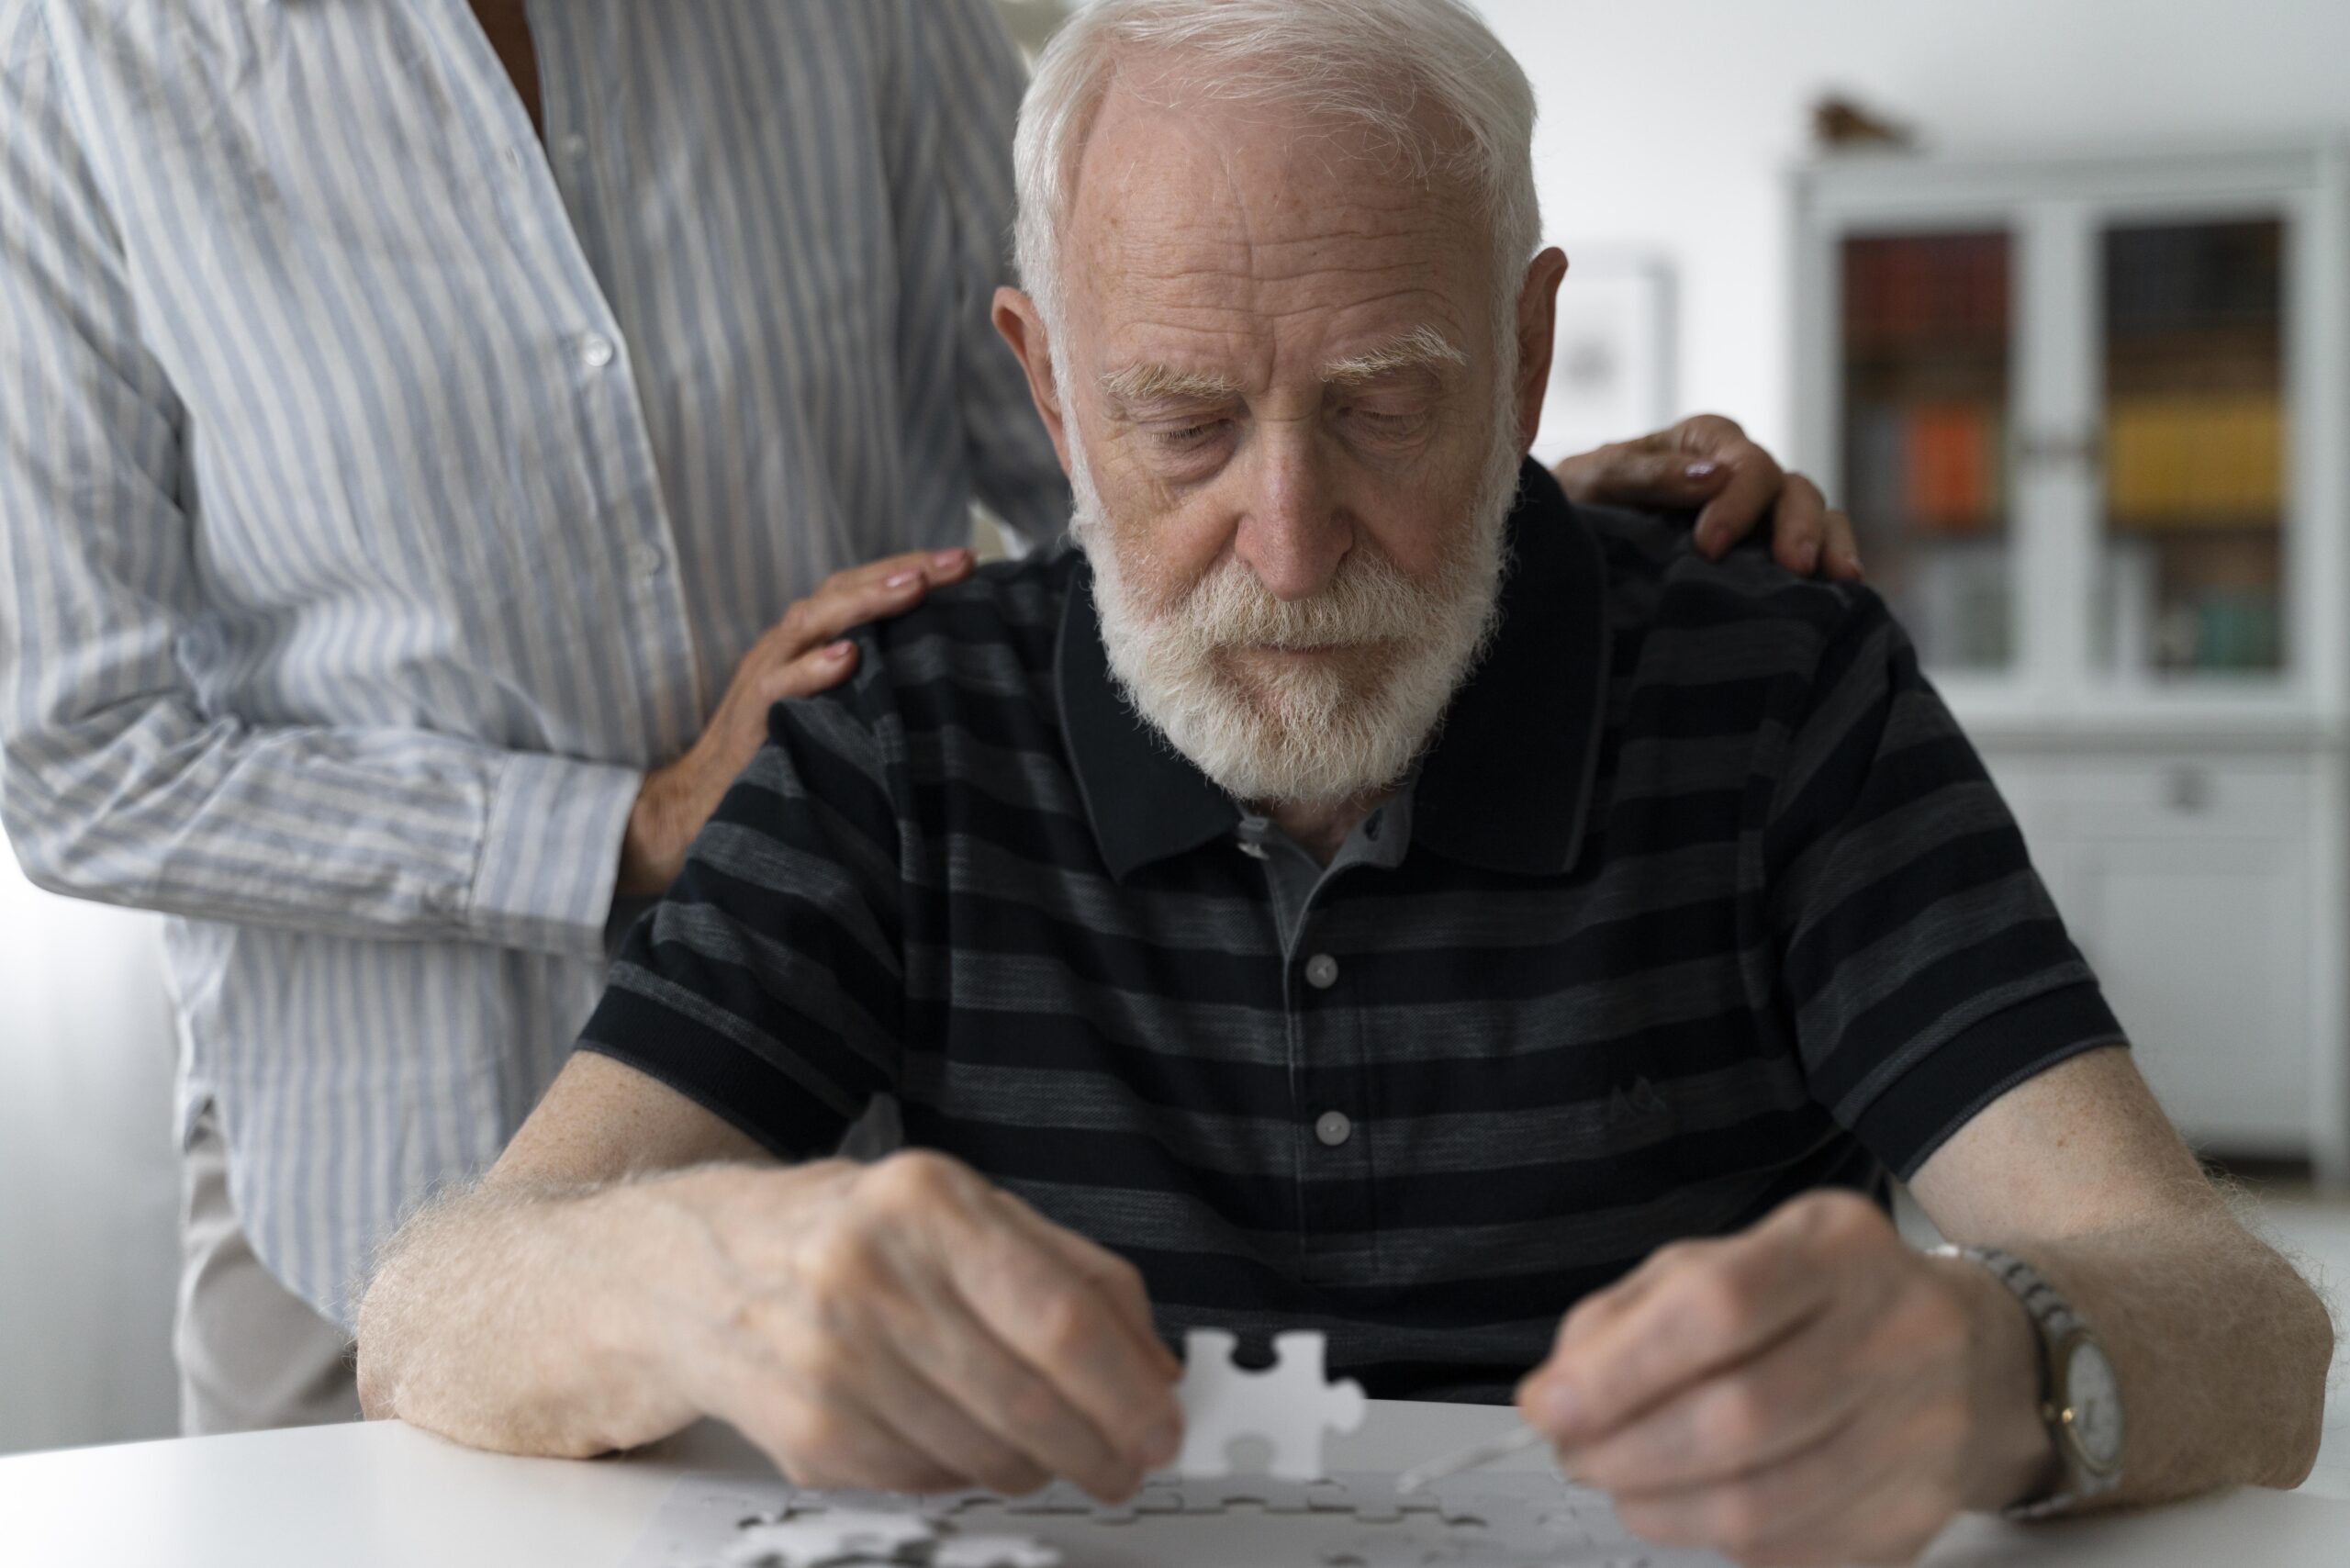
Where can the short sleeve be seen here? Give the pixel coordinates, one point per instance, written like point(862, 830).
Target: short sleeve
point(768, 982)
point(1926, 967)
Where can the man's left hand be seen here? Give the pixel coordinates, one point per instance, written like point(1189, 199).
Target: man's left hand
point(1812, 1389)
point(1707, 461)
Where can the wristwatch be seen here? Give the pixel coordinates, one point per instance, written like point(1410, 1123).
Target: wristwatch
point(2080, 1401)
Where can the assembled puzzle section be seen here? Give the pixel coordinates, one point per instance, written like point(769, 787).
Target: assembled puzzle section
point(1352, 1520)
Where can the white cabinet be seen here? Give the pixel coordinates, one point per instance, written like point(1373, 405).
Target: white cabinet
point(2092, 417)
point(2188, 880)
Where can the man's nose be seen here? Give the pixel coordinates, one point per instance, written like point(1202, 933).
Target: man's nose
point(1292, 536)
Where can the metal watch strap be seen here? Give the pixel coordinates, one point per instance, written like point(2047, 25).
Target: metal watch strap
point(2055, 1322)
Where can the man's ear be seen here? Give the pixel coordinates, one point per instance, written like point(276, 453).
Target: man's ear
point(1022, 327)
point(1537, 316)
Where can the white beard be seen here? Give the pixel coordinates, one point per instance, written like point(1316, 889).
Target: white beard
point(1341, 727)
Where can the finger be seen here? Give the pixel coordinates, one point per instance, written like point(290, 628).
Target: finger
point(1743, 501)
point(1724, 1305)
point(1809, 1507)
point(819, 670)
point(1650, 473)
point(1709, 435)
point(833, 1442)
point(937, 566)
point(1783, 1401)
point(1018, 1399)
point(1799, 525)
point(1593, 1312)
point(839, 605)
point(1119, 1282)
point(1039, 1355)
point(1842, 550)
point(1865, 1505)
point(928, 1418)
point(1050, 1313)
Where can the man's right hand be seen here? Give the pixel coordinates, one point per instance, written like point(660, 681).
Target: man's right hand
point(906, 1324)
point(798, 656)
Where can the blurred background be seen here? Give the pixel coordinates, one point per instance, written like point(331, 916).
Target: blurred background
point(2054, 296)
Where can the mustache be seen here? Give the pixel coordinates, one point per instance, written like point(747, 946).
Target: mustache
point(1368, 600)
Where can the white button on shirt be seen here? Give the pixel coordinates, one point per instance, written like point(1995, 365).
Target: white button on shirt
point(596, 350)
point(1321, 972)
point(1333, 1128)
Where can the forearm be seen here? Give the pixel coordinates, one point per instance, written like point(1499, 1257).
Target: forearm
point(2222, 1349)
point(533, 1320)
point(378, 834)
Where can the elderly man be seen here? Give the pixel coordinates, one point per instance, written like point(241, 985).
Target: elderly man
point(1356, 889)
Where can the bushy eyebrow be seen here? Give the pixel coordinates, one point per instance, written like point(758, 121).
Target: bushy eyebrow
point(1422, 348)
point(1138, 384)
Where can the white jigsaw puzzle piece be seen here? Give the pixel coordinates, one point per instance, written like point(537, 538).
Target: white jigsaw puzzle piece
point(1291, 1404)
point(994, 1551)
point(812, 1540)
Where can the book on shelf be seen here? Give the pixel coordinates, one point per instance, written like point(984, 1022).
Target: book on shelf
point(2202, 460)
point(1935, 287)
point(1934, 467)
point(2163, 277)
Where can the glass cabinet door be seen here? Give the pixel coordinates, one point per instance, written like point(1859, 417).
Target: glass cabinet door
point(2191, 555)
point(1925, 377)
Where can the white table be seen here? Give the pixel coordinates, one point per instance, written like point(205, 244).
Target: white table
point(387, 1495)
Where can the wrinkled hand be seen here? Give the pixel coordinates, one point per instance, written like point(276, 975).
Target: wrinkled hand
point(798, 656)
point(1707, 461)
point(905, 1325)
point(1810, 1391)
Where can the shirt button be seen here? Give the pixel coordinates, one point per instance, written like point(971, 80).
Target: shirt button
point(1333, 1128)
point(645, 560)
point(574, 147)
point(596, 350)
point(1321, 972)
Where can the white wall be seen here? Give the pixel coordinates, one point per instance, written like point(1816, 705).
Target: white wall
point(88, 1183)
point(1667, 124)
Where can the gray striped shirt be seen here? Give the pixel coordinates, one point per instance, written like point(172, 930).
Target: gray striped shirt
point(382, 493)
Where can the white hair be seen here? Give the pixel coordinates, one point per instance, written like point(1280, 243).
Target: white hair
point(1371, 62)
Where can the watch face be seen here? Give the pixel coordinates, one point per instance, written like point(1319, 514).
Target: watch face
point(2093, 1400)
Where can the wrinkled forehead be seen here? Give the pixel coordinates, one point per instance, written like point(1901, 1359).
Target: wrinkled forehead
point(1263, 234)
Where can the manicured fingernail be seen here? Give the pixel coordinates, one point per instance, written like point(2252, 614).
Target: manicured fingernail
point(906, 578)
point(1811, 555)
point(839, 650)
point(1853, 562)
point(1166, 1439)
point(1702, 470)
point(946, 559)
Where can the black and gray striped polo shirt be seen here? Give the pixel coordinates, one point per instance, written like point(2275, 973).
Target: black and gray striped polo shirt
point(1699, 899)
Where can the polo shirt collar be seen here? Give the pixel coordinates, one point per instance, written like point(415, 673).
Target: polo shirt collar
point(1508, 785)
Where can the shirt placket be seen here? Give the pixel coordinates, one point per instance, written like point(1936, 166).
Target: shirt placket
point(559, 194)
point(1337, 1216)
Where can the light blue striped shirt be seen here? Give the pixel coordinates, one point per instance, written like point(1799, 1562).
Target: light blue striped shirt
point(381, 494)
